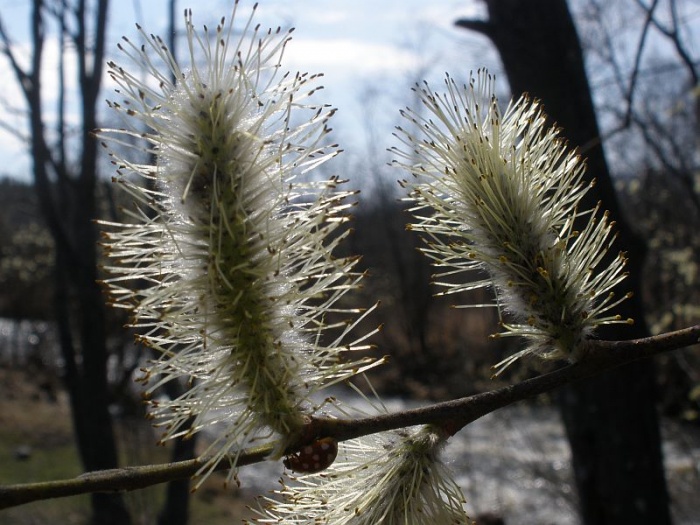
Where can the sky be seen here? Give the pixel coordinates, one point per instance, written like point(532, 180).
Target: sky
point(370, 51)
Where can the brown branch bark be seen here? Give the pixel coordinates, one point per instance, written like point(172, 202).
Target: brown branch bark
point(453, 415)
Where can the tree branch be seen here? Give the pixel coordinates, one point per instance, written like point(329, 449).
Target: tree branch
point(119, 479)
point(638, 60)
point(480, 26)
point(674, 35)
point(450, 415)
point(6, 50)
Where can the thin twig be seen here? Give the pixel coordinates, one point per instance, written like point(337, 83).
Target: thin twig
point(455, 414)
point(118, 479)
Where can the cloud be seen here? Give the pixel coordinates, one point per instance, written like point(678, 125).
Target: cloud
point(352, 56)
point(14, 147)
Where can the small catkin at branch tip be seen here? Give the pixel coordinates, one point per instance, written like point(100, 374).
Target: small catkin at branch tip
point(382, 478)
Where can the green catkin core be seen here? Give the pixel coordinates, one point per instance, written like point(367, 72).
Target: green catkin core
point(222, 188)
point(534, 270)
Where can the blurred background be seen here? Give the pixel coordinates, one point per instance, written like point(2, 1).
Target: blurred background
point(621, 79)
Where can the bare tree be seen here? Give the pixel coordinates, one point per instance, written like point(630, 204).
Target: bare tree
point(611, 421)
point(66, 185)
point(665, 122)
point(648, 84)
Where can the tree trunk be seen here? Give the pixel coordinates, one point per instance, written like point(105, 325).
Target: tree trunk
point(176, 508)
point(611, 421)
point(68, 203)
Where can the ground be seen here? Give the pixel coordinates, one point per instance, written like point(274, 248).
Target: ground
point(36, 444)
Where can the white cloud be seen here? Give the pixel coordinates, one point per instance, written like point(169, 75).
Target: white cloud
point(13, 106)
point(353, 56)
point(378, 43)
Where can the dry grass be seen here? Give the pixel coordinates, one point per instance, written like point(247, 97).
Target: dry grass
point(31, 422)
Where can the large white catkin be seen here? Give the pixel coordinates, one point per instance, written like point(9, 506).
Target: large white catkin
point(227, 263)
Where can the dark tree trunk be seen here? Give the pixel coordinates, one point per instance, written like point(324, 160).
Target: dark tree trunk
point(68, 203)
point(176, 508)
point(611, 421)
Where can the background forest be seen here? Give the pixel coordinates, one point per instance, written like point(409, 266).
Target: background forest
point(68, 402)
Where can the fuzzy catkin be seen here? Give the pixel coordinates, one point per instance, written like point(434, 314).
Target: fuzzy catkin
point(226, 263)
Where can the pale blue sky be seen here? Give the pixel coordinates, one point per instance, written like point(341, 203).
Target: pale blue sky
point(362, 46)
point(382, 46)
